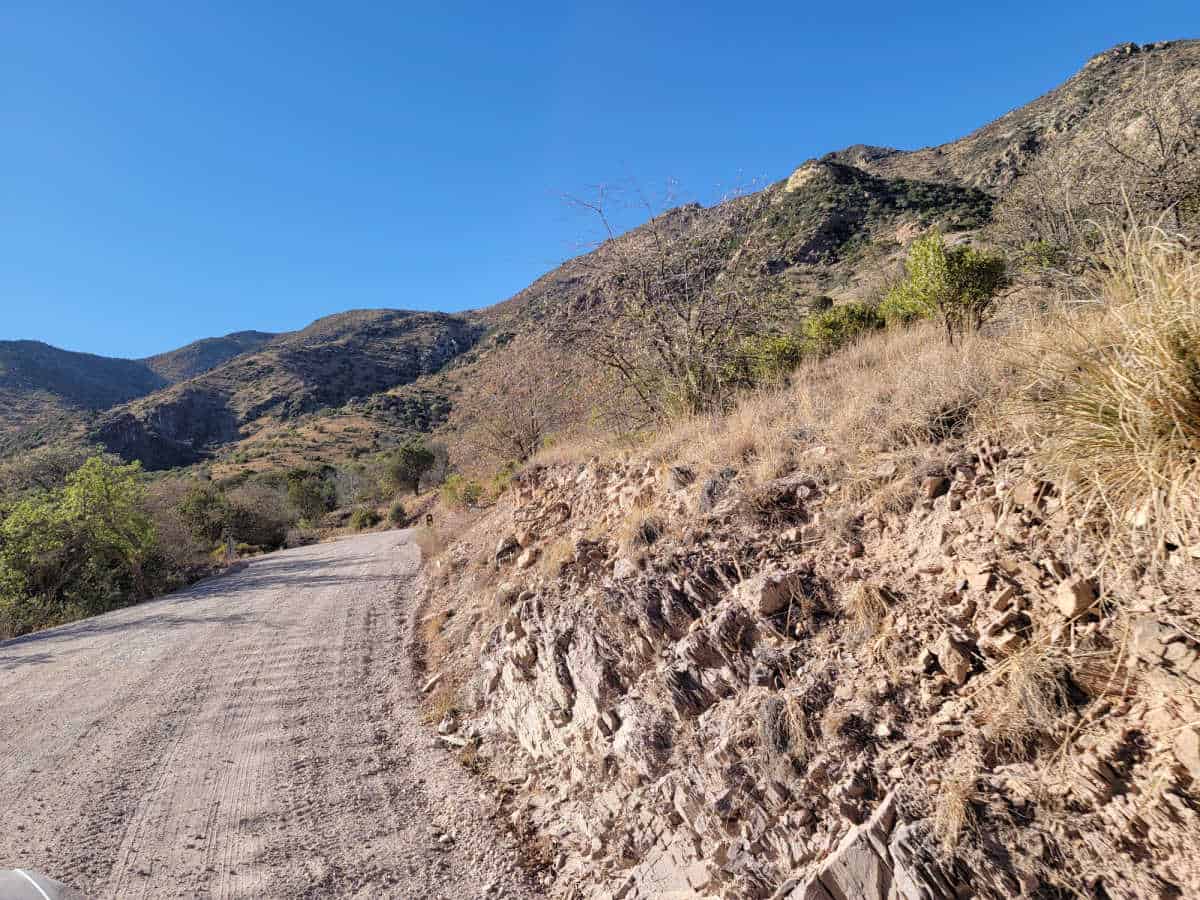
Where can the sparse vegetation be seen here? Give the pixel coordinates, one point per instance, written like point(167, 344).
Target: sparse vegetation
point(363, 518)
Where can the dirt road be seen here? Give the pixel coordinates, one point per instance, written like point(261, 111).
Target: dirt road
point(253, 736)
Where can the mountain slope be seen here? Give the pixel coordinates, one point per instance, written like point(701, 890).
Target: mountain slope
point(335, 360)
point(82, 380)
point(207, 353)
point(1103, 94)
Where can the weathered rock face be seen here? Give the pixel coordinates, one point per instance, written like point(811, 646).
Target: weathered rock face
point(172, 433)
point(749, 710)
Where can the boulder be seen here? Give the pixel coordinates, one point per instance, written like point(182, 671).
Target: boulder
point(714, 489)
point(952, 658)
point(1075, 597)
point(770, 592)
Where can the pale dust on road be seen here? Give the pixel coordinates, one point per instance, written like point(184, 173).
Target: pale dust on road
point(254, 736)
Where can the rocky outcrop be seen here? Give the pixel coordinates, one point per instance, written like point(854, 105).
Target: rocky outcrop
point(176, 432)
point(783, 697)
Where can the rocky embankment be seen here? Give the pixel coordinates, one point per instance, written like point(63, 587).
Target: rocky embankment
point(684, 686)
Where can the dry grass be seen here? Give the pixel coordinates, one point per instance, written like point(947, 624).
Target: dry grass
point(866, 607)
point(897, 389)
point(1115, 403)
point(639, 529)
point(432, 542)
point(953, 809)
point(556, 554)
point(1025, 695)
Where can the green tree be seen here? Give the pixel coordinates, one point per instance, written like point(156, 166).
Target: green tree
point(310, 494)
point(406, 464)
point(206, 512)
point(76, 550)
point(959, 285)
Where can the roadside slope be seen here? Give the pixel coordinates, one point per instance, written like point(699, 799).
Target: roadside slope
point(252, 736)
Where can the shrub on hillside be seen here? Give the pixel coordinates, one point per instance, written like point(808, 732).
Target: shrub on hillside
point(461, 492)
point(768, 358)
point(78, 550)
point(260, 515)
point(364, 517)
point(958, 285)
point(837, 327)
point(404, 466)
point(311, 495)
point(396, 513)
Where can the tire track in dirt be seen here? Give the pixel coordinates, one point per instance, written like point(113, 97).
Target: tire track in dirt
point(253, 736)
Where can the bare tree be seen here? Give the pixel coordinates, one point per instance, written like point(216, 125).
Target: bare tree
point(531, 390)
point(668, 303)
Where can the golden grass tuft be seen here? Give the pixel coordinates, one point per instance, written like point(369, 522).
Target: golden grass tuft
point(953, 807)
point(556, 554)
point(1025, 695)
point(639, 529)
point(866, 607)
point(1114, 406)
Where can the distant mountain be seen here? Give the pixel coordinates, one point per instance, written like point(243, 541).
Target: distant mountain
point(337, 359)
point(81, 380)
point(200, 356)
point(47, 392)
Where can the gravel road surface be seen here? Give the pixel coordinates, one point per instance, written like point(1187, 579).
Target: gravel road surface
point(256, 735)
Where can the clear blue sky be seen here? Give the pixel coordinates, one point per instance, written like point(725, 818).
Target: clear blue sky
point(170, 171)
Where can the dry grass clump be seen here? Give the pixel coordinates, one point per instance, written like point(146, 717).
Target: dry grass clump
point(866, 607)
point(432, 541)
point(1026, 694)
point(556, 554)
point(953, 807)
point(639, 529)
point(1115, 401)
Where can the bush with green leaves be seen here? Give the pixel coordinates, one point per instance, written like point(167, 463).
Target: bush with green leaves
point(768, 358)
point(461, 492)
point(364, 517)
point(77, 550)
point(837, 327)
point(397, 514)
point(310, 494)
point(404, 466)
point(958, 285)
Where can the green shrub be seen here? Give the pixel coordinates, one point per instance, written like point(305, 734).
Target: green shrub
point(461, 492)
point(957, 284)
point(260, 515)
point(900, 308)
point(364, 517)
point(77, 550)
point(396, 513)
point(837, 327)
point(404, 467)
point(768, 358)
point(310, 494)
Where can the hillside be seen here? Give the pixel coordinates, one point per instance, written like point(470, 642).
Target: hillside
point(1104, 96)
point(836, 228)
point(202, 355)
point(46, 392)
point(336, 359)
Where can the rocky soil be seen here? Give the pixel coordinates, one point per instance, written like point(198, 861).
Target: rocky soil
point(687, 685)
